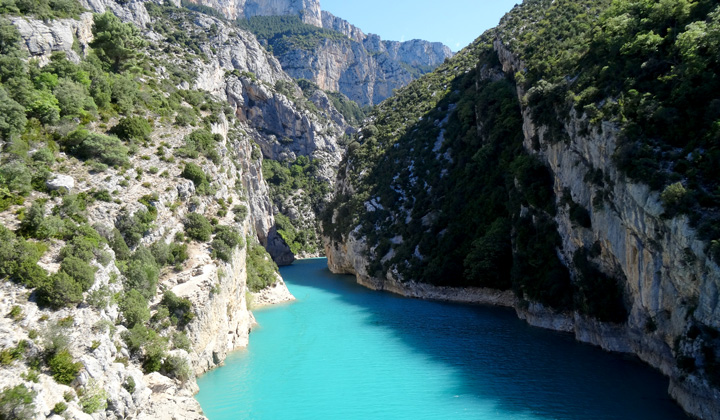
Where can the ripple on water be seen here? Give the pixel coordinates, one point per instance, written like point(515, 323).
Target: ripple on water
point(344, 352)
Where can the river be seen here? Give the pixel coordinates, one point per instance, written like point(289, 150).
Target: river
point(345, 352)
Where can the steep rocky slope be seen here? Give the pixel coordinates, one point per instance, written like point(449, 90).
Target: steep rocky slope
point(363, 67)
point(134, 203)
point(508, 172)
point(307, 10)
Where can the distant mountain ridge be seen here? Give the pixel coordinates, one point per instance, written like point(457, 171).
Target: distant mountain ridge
point(363, 67)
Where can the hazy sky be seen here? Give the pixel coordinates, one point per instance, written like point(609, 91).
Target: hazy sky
point(455, 23)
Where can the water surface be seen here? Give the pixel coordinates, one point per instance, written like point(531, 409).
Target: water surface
point(344, 352)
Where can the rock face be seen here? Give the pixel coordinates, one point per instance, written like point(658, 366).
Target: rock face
point(363, 67)
point(43, 39)
point(307, 10)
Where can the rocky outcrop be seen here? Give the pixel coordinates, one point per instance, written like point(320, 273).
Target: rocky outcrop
point(330, 21)
point(67, 35)
point(307, 10)
point(363, 67)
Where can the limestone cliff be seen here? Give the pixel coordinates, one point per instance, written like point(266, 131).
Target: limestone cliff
point(469, 134)
point(307, 10)
point(363, 67)
point(258, 120)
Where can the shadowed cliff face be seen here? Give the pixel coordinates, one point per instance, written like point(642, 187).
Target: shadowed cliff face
point(488, 173)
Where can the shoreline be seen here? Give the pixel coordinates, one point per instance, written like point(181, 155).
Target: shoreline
point(687, 391)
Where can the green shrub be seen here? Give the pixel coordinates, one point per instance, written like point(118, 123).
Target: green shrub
point(186, 116)
point(200, 142)
point(60, 407)
point(116, 43)
point(195, 174)
point(93, 399)
point(129, 128)
point(16, 176)
point(73, 98)
point(226, 239)
point(85, 243)
point(102, 195)
point(240, 212)
point(197, 227)
point(146, 343)
point(17, 403)
point(15, 313)
point(99, 298)
point(33, 219)
point(181, 341)
point(107, 149)
point(129, 384)
point(171, 254)
point(64, 370)
point(176, 367)
point(118, 245)
point(73, 206)
point(18, 260)
point(82, 272)
point(133, 227)
point(44, 106)
point(261, 268)
point(141, 273)
point(60, 290)
point(12, 116)
point(134, 308)
point(180, 309)
point(7, 356)
point(44, 9)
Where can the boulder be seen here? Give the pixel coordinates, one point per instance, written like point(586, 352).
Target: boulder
point(58, 182)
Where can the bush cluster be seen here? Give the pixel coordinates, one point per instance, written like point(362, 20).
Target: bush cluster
point(226, 239)
point(195, 174)
point(197, 227)
point(262, 271)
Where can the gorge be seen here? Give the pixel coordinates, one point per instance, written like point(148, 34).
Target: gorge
point(160, 158)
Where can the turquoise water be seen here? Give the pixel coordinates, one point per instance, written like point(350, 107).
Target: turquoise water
point(344, 352)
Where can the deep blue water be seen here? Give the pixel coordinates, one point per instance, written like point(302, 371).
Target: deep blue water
point(344, 352)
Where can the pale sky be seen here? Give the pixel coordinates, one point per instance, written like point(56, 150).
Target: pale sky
point(455, 23)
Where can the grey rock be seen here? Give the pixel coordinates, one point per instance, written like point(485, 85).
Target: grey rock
point(43, 38)
point(278, 249)
point(307, 10)
point(59, 181)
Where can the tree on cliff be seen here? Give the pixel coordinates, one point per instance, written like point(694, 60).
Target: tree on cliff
point(115, 42)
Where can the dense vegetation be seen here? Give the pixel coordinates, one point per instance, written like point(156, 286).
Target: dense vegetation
point(450, 215)
point(283, 34)
point(652, 68)
point(297, 182)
